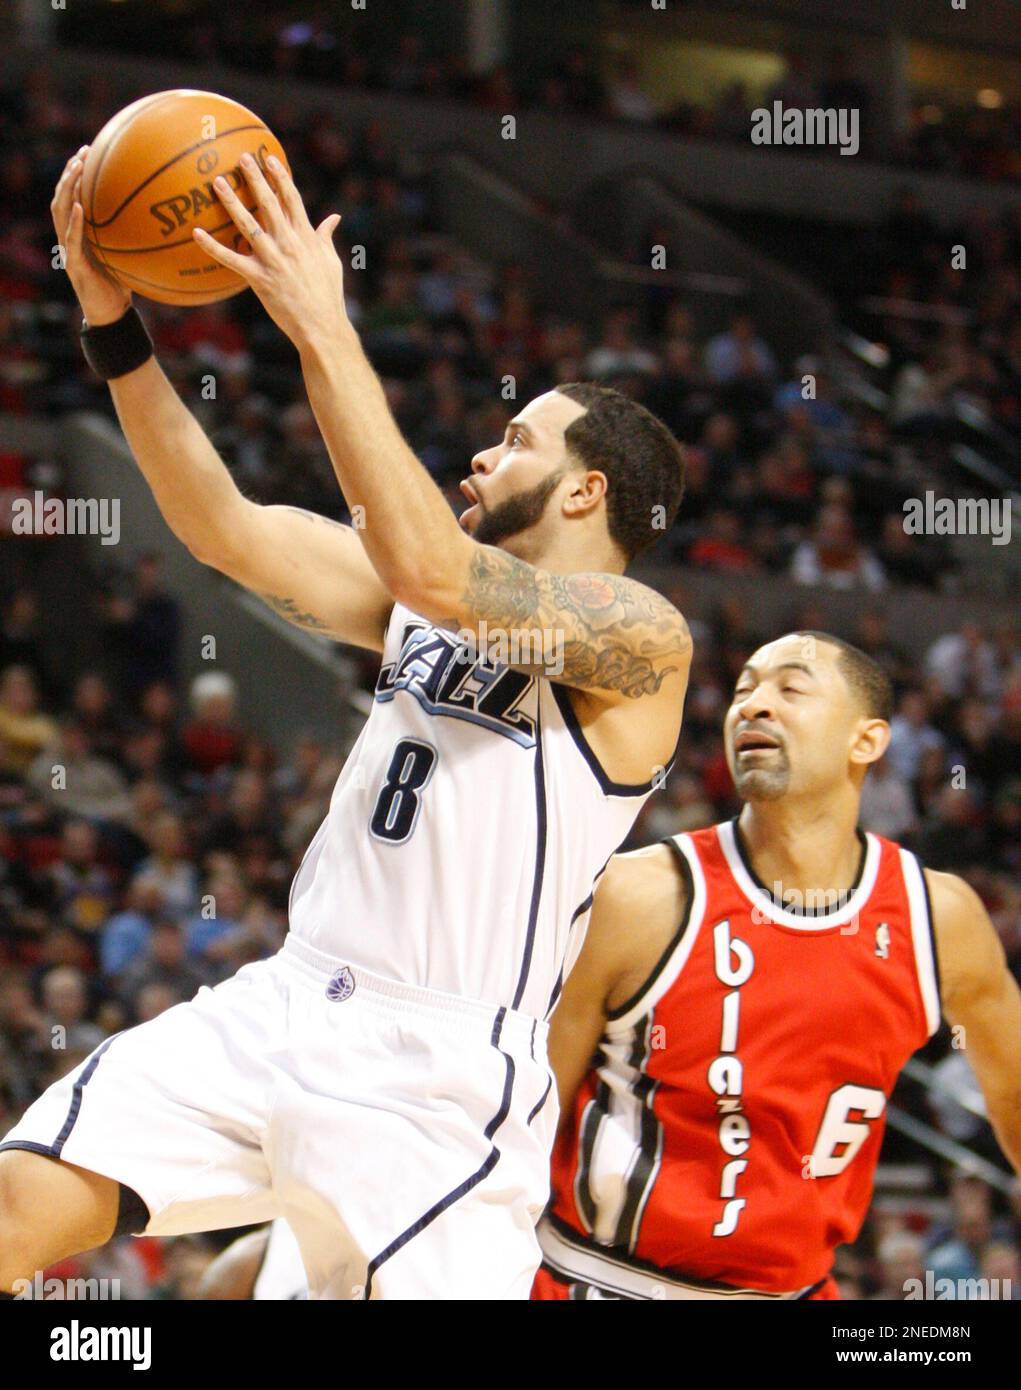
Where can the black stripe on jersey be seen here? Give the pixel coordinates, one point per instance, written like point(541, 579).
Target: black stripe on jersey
point(608, 785)
point(76, 1097)
point(649, 1155)
point(932, 935)
point(438, 1208)
point(689, 892)
point(582, 907)
point(540, 1102)
point(825, 909)
point(557, 988)
point(591, 1120)
point(84, 1077)
point(540, 859)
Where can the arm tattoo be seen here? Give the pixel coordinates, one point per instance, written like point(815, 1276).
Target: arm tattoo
point(288, 609)
point(615, 634)
point(316, 518)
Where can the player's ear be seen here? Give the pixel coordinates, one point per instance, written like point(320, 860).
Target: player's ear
point(588, 488)
point(871, 740)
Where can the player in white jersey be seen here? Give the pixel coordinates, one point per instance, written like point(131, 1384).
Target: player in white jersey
point(382, 1082)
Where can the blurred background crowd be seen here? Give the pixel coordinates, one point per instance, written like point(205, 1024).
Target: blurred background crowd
point(162, 862)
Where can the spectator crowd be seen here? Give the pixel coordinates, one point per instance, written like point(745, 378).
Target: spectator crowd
point(148, 836)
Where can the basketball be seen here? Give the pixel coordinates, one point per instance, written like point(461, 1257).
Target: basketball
point(148, 183)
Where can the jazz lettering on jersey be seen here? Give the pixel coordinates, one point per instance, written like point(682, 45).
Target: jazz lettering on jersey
point(446, 678)
point(734, 963)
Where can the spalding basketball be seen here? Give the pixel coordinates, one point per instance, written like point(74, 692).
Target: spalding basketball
point(148, 182)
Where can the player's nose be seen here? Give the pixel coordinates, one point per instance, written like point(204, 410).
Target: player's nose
point(756, 705)
point(484, 461)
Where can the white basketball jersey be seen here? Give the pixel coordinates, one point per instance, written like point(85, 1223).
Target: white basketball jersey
point(466, 830)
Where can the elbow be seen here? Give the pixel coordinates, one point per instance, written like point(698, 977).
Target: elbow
point(426, 585)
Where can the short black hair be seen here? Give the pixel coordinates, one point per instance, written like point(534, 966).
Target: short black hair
point(643, 462)
point(865, 676)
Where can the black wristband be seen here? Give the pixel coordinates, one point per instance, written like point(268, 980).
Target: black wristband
point(114, 349)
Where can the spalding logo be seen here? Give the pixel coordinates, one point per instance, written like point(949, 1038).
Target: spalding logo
point(207, 161)
point(174, 213)
point(341, 986)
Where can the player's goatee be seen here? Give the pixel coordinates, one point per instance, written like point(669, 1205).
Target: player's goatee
point(763, 784)
point(516, 513)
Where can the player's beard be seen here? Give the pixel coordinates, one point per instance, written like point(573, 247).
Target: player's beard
point(517, 513)
point(764, 783)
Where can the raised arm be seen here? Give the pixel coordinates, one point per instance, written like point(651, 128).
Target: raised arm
point(310, 570)
point(618, 639)
point(981, 998)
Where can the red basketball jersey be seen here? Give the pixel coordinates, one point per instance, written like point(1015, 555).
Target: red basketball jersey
point(731, 1129)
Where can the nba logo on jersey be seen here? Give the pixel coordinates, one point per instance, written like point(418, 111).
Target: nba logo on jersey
point(341, 986)
point(883, 941)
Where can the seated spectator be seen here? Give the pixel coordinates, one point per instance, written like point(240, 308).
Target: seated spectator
point(169, 865)
point(95, 710)
point(72, 778)
point(959, 1256)
point(213, 936)
point(901, 1257)
point(618, 353)
point(834, 556)
point(127, 934)
point(719, 545)
point(739, 354)
point(887, 807)
point(212, 738)
point(951, 837)
point(24, 729)
point(82, 888)
point(65, 1005)
point(163, 962)
point(911, 735)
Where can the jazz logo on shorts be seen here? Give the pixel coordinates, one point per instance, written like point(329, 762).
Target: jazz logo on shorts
point(341, 986)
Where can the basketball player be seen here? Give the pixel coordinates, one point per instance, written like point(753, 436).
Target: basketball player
point(752, 991)
point(262, 1266)
point(382, 1082)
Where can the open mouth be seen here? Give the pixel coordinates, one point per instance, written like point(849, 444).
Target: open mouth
point(468, 491)
point(752, 742)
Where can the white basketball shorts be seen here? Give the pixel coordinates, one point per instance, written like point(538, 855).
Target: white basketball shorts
point(404, 1134)
point(282, 1272)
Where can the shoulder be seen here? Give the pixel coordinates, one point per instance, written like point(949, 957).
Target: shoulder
point(966, 940)
point(639, 882)
point(641, 902)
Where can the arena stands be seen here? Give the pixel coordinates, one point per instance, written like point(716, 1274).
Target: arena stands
point(104, 917)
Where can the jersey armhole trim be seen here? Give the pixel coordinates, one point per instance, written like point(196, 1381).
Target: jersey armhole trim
point(671, 962)
point(562, 696)
point(923, 938)
point(930, 922)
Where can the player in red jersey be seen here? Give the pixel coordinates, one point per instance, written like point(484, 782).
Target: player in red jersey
point(752, 991)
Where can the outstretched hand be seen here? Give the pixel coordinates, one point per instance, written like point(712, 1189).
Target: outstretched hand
point(102, 298)
point(293, 267)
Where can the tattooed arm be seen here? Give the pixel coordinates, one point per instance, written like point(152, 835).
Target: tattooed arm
point(594, 632)
point(313, 572)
